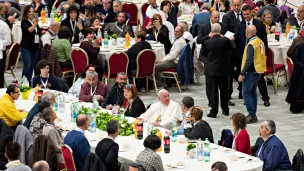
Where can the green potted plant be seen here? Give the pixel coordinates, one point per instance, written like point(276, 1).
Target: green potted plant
point(25, 91)
point(191, 150)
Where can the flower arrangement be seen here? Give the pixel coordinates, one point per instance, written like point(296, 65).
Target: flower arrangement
point(58, 16)
point(114, 36)
point(25, 91)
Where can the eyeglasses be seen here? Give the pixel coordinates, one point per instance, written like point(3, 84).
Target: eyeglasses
point(17, 92)
point(155, 19)
point(128, 86)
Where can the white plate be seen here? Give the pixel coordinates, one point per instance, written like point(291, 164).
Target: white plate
point(76, 45)
point(105, 50)
point(152, 41)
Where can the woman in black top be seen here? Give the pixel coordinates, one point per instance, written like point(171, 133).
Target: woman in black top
point(159, 32)
point(221, 5)
point(133, 105)
point(72, 22)
point(44, 79)
point(29, 45)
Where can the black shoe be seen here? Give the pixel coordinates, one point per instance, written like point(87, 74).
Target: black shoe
point(225, 113)
point(211, 115)
point(240, 95)
point(230, 103)
point(266, 103)
point(251, 119)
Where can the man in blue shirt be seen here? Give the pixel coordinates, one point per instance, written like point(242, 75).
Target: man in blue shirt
point(76, 140)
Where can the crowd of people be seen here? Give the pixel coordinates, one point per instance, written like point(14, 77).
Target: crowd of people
point(242, 57)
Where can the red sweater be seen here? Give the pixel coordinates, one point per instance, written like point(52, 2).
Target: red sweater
point(242, 142)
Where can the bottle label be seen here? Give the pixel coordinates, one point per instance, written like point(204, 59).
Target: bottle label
point(167, 141)
point(140, 128)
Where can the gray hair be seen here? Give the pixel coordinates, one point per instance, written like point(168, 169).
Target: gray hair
point(46, 114)
point(271, 126)
point(161, 91)
point(216, 28)
point(91, 73)
point(46, 97)
point(117, 1)
point(266, 12)
point(185, 25)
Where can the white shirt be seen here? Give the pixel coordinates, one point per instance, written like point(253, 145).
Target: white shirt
point(176, 50)
point(167, 114)
point(250, 22)
point(151, 11)
point(163, 15)
point(79, 130)
point(5, 37)
point(187, 9)
point(47, 38)
point(236, 15)
point(75, 89)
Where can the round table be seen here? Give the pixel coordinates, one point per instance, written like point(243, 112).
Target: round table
point(177, 153)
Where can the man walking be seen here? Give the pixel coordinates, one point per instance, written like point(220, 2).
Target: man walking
point(253, 66)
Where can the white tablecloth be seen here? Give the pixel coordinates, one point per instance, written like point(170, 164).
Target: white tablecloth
point(279, 48)
point(177, 153)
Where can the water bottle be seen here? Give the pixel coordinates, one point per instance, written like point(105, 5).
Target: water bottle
point(52, 16)
point(61, 103)
point(174, 131)
point(200, 150)
point(92, 121)
point(95, 102)
point(75, 111)
point(114, 110)
point(106, 40)
point(207, 150)
point(291, 34)
point(55, 105)
point(122, 113)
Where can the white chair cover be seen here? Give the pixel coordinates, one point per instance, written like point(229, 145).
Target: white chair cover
point(171, 30)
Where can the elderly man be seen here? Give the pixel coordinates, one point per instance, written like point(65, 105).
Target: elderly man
point(119, 27)
point(41, 166)
point(13, 155)
point(38, 122)
point(162, 113)
point(11, 13)
point(272, 151)
point(63, 7)
point(270, 6)
point(187, 35)
point(171, 59)
point(117, 7)
point(253, 66)
point(78, 142)
point(152, 9)
point(217, 67)
point(47, 97)
point(108, 15)
point(93, 87)
point(298, 21)
point(8, 111)
point(51, 34)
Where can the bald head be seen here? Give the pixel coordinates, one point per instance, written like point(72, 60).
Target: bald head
point(250, 31)
point(163, 97)
point(81, 120)
point(215, 17)
point(40, 166)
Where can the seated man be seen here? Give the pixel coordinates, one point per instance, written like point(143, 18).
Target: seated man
point(116, 94)
point(118, 27)
point(272, 152)
point(187, 35)
point(41, 166)
point(162, 113)
point(46, 97)
point(196, 127)
point(8, 111)
point(13, 155)
point(171, 59)
point(51, 34)
point(187, 103)
point(78, 142)
point(298, 21)
point(63, 7)
point(93, 87)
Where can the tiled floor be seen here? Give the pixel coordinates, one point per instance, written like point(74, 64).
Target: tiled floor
point(289, 126)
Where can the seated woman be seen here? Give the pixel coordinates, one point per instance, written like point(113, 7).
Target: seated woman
point(95, 24)
point(197, 127)
point(63, 47)
point(221, 5)
point(188, 7)
point(159, 32)
point(38, 6)
point(38, 122)
point(91, 47)
point(268, 21)
point(51, 132)
point(75, 89)
point(133, 105)
point(44, 79)
point(241, 141)
point(151, 143)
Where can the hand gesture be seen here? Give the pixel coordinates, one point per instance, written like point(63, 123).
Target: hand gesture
point(11, 19)
point(79, 25)
point(149, 25)
point(241, 78)
point(96, 44)
point(99, 97)
point(66, 6)
point(211, 35)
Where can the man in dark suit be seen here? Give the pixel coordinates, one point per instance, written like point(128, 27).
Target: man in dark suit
point(232, 20)
point(217, 66)
point(108, 15)
point(241, 40)
point(204, 34)
point(299, 20)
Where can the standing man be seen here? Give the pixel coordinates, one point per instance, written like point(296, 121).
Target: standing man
point(217, 65)
point(253, 66)
point(5, 39)
point(240, 40)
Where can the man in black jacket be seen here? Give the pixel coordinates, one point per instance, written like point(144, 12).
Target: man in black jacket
point(217, 67)
point(298, 21)
point(240, 40)
point(116, 96)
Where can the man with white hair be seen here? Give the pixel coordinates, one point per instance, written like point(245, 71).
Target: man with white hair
point(162, 113)
point(41, 166)
point(217, 67)
point(51, 34)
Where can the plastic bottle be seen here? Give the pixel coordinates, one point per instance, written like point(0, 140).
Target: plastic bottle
point(200, 150)
point(61, 103)
point(174, 131)
point(92, 122)
point(55, 105)
point(15, 81)
point(42, 15)
point(287, 27)
point(291, 34)
point(127, 39)
point(135, 128)
point(52, 16)
point(95, 102)
point(114, 110)
point(122, 113)
point(75, 111)
point(166, 144)
point(37, 88)
point(106, 40)
point(140, 130)
point(277, 33)
point(40, 94)
point(207, 150)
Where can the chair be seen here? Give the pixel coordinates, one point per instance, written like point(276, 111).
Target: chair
point(25, 139)
point(13, 57)
point(144, 9)
point(176, 3)
point(145, 67)
point(171, 30)
point(173, 73)
point(117, 62)
point(56, 4)
point(270, 66)
point(145, 23)
point(68, 158)
point(289, 65)
point(132, 9)
point(79, 60)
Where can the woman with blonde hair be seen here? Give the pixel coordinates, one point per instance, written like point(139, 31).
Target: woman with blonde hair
point(267, 19)
point(241, 141)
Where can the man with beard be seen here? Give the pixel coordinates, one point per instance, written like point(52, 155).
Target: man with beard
point(119, 27)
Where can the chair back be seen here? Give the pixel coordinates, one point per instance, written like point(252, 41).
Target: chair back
point(200, 4)
point(176, 3)
point(79, 60)
point(56, 4)
point(146, 63)
point(132, 9)
point(171, 30)
point(145, 23)
point(289, 65)
point(67, 154)
point(144, 9)
point(117, 62)
point(270, 59)
point(13, 57)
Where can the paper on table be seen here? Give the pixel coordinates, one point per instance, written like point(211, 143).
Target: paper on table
point(229, 34)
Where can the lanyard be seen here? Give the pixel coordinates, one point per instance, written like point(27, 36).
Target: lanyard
point(156, 34)
point(46, 82)
point(120, 29)
point(262, 146)
point(73, 27)
point(32, 25)
point(92, 93)
point(13, 163)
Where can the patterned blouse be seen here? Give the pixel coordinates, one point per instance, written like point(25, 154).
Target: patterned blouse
point(150, 160)
point(36, 126)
